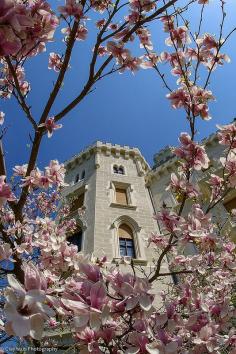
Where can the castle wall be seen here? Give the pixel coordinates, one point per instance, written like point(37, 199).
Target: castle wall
point(138, 214)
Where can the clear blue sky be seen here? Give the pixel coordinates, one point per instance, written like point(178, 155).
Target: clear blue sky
point(125, 109)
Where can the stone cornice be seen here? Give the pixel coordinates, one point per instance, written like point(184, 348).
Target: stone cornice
point(170, 164)
point(108, 149)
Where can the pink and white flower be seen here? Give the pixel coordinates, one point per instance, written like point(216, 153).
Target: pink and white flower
point(50, 126)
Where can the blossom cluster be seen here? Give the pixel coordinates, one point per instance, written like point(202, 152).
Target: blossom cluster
point(25, 27)
point(7, 81)
point(106, 309)
point(193, 154)
point(53, 176)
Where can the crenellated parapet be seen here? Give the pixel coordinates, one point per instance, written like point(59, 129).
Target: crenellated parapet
point(107, 149)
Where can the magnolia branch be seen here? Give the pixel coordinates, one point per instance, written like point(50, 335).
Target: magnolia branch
point(21, 97)
point(92, 79)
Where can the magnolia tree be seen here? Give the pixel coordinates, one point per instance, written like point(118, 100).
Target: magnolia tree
point(48, 284)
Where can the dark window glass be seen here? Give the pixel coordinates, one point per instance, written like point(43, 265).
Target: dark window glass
point(83, 175)
point(77, 203)
point(127, 247)
point(121, 170)
point(76, 239)
point(115, 169)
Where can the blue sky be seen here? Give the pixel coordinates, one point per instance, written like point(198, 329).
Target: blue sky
point(124, 109)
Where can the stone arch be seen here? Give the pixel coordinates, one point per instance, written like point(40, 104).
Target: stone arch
point(121, 170)
point(115, 168)
point(136, 231)
point(81, 227)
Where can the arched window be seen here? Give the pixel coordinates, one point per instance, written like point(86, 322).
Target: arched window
point(126, 242)
point(83, 174)
point(77, 178)
point(77, 202)
point(115, 169)
point(121, 170)
point(76, 239)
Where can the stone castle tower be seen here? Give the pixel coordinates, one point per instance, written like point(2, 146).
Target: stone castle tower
point(119, 194)
point(108, 182)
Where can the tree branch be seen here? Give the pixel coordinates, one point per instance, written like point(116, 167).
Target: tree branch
point(22, 102)
point(39, 133)
point(92, 79)
point(3, 170)
point(175, 273)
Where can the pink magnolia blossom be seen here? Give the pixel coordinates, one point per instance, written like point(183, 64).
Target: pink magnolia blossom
point(208, 41)
point(25, 309)
point(81, 34)
point(5, 192)
point(194, 155)
point(55, 62)
point(72, 8)
point(108, 309)
point(25, 27)
point(197, 101)
point(216, 184)
point(7, 81)
point(2, 116)
point(117, 50)
point(56, 172)
point(169, 219)
point(102, 51)
point(149, 61)
point(100, 23)
point(181, 186)
point(50, 126)
point(5, 251)
point(9, 43)
point(33, 179)
point(145, 38)
point(178, 36)
point(100, 5)
point(168, 22)
point(227, 134)
point(133, 17)
point(132, 64)
point(24, 88)
point(20, 170)
point(142, 5)
point(158, 240)
point(229, 164)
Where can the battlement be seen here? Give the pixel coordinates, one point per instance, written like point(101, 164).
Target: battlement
point(106, 148)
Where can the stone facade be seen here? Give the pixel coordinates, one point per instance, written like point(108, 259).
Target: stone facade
point(103, 214)
point(159, 177)
point(95, 173)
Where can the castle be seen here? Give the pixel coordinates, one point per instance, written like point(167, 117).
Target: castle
point(119, 193)
point(114, 194)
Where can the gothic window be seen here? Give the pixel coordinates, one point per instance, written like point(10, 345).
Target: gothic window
point(231, 204)
point(77, 178)
point(77, 203)
point(121, 170)
point(83, 174)
point(118, 170)
point(126, 243)
point(115, 169)
point(76, 239)
point(121, 196)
